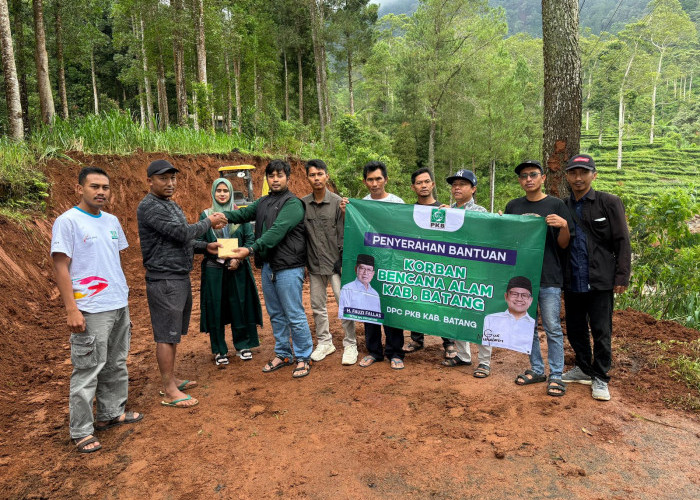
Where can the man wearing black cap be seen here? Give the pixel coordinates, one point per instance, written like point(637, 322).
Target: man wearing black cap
point(598, 267)
point(535, 202)
point(463, 187)
point(423, 184)
point(167, 246)
point(512, 329)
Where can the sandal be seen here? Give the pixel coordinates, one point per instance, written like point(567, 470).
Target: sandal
point(397, 364)
point(367, 361)
point(529, 377)
point(82, 444)
point(271, 367)
point(482, 371)
point(303, 371)
point(413, 347)
point(220, 360)
point(456, 361)
point(451, 352)
point(129, 418)
point(556, 387)
point(245, 354)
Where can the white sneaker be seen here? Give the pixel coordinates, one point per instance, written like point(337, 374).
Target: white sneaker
point(576, 375)
point(321, 351)
point(350, 355)
point(599, 390)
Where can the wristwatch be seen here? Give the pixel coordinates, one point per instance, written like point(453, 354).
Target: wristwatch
point(251, 251)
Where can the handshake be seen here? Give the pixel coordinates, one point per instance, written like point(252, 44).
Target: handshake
point(218, 220)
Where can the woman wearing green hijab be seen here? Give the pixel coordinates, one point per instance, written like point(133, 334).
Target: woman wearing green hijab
point(228, 294)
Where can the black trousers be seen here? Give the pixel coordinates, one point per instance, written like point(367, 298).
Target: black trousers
point(394, 341)
point(592, 309)
point(419, 338)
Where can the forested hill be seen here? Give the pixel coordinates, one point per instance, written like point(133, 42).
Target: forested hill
point(526, 15)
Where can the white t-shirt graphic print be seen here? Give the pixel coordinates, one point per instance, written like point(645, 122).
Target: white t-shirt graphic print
point(93, 243)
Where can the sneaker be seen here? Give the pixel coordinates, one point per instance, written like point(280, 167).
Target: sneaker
point(576, 375)
point(350, 355)
point(321, 351)
point(600, 390)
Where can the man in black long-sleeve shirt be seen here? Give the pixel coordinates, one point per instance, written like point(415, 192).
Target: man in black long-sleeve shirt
point(167, 246)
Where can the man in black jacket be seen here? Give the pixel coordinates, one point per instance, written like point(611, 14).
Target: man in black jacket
point(598, 267)
point(167, 246)
point(280, 249)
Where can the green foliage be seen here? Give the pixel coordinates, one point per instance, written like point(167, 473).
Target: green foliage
point(21, 185)
point(666, 264)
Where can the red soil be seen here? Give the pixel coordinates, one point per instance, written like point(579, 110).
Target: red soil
point(343, 432)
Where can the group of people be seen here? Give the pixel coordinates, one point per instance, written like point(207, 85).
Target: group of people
point(587, 254)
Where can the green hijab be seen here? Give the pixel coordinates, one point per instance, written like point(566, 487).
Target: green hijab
point(229, 206)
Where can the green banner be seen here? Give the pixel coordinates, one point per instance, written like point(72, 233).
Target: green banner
point(443, 272)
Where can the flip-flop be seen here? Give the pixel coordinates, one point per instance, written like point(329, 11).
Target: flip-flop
point(187, 385)
point(174, 402)
point(534, 378)
point(397, 364)
point(245, 354)
point(129, 418)
point(367, 361)
point(456, 361)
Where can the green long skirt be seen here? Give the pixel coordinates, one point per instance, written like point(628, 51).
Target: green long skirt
point(230, 298)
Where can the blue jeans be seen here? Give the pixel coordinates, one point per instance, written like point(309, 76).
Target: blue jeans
point(282, 292)
point(550, 307)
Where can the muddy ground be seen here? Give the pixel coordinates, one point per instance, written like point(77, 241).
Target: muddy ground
point(342, 432)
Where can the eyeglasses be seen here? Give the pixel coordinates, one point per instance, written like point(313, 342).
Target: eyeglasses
point(530, 175)
point(518, 295)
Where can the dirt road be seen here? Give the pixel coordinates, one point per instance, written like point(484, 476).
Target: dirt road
point(342, 432)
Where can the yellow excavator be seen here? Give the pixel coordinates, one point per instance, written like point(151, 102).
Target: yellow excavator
point(242, 176)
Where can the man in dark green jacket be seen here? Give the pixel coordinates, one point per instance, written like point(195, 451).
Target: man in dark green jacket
point(280, 249)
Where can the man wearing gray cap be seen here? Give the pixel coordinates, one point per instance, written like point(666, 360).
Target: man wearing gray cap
point(463, 186)
point(598, 267)
point(167, 246)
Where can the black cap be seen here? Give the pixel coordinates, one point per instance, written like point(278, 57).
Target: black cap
point(363, 258)
point(519, 282)
point(158, 167)
point(529, 163)
point(467, 175)
point(581, 161)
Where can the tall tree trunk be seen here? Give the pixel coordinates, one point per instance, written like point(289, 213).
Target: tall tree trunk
point(179, 64)
point(319, 56)
point(146, 80)
point(653, 97)
point(350, 91)
point(588, 94)
point(431, 142)
point(229, 100)
point(621, 110)
point(14, 107)
point(300, 71)
point(237, 89)
point(690, 85)
point(195, 115)
point(601, 125)
point(95, 98)
point(21, 61)
point(201, 45)
point(41, 59)
point(324, 82)
point(164, 121)
point(562, 90)
point(142, 105)
point(59, 60)
point(286, 87)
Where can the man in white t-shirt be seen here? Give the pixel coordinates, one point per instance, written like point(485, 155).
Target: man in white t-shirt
point(85, 246)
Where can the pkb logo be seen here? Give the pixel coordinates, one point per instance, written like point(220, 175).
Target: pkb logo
point(437, 218)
